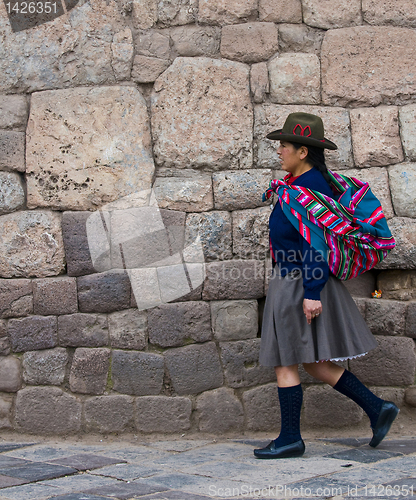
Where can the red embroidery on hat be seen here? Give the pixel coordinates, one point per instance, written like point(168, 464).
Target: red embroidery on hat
point(302, 130)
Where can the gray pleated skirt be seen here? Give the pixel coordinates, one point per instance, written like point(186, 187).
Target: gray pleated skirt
point(338, 333)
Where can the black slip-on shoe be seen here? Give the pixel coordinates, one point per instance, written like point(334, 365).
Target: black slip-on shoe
point(387, 415)
point(296, 449)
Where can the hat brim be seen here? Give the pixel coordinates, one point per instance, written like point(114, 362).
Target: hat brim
point(279, 135)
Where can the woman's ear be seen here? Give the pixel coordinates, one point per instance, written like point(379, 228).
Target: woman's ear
point(303, 152)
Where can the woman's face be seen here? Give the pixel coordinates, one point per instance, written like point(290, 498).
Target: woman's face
point(290, 157)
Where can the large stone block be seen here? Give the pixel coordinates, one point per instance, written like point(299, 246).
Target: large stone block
point(343, 411)
point(89, 370)
point(45, 367)
point(83, 330)
point(361, 304)
point(234, 319)
point(137, 373)
point(152, 43)
point(402, 186)
point(270, 117)
point(393, 362)
point(362, 285)
point(280, 11)
point(177, 12)
point(194, 368)
point(259, 81)
point(300, 38)
point(378, 179)
point(331, 14)
point(219, 91)
point(13, 112)
point(375, 136)
point(31, 245)
point(87, 147)
point(144, 13)
point(78, 51)
point(407, 121)
point(410, 396)
point(12, 150)
point(104, 292)
point(262, 408)
point(5, 344)
point(107, 414)
point(240, 360)
point(128, 329)
point(214, 229)
point(411, 320)
point(10, 374)
point(397, 284)
point(249, 42)
point(47, 410)
point(16, 298)
point(403, 255)
point(386, 317)
point(147, 69)
point(5, 413)
point(235, 279)
point(251, 233)
point(12, 195)
point(219, 411)
point(191, 192)
point(236, 190)
point(55, 296)
point(226, 11)
point(380, 74)
point(33, 333)
point(174, 325)
point(295, 79)
point(389, 12)
point(77, 252)
point(191, 41)
point(122, 54)
point(163, 414)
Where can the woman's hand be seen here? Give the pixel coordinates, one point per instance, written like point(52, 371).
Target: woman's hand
point(311, 308)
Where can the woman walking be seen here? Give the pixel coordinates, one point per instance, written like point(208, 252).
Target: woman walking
point(309, 316)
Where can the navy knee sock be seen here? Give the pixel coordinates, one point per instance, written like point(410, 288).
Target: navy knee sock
point(350, 386)
point(290, 399)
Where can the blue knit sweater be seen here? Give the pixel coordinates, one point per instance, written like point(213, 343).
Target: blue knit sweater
point(291, 250)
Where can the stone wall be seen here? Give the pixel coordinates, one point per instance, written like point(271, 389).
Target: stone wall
point(118, 98)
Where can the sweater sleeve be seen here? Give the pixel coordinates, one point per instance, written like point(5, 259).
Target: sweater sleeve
point(315, 270)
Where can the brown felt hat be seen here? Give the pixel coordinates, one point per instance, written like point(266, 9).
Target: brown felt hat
point(303, 128)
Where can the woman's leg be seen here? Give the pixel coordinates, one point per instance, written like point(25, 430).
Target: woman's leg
point(326, 371)
point(289, 443)
point(381, 413)
point(287, 376)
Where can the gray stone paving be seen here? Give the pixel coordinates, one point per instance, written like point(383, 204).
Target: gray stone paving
point(196, 469)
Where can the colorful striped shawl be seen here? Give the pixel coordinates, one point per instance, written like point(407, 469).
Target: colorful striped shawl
point(352, 232)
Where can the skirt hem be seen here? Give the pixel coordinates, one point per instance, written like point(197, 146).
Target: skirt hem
point(344, 358)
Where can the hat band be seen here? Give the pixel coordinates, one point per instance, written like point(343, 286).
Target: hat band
point(302, 130)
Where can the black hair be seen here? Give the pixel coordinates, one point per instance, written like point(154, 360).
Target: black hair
point(316, 158)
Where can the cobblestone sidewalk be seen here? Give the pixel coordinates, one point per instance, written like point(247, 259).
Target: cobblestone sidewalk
point(200, 469)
